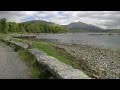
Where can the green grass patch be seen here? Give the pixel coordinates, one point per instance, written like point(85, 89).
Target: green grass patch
point(61, 55)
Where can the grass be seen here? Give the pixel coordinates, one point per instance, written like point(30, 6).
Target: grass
point(37, 71)
point(30, 62)
point(56, 52)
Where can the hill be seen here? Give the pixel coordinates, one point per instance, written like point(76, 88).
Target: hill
point(80, 26)
point(40, 22)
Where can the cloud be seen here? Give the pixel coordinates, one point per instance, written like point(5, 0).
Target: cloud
point(104, 19)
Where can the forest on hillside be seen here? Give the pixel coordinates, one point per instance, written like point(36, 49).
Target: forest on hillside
point(11, 27)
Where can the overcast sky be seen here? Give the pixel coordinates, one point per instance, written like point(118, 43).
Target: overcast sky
point(103, 19)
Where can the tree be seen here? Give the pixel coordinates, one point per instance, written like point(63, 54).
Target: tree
point(21, 28)
point(4, 26)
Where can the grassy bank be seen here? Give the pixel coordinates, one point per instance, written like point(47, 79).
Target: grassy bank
point(56, 52)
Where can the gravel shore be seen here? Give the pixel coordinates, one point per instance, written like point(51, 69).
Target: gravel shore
point(98, 62)
point(11, 66)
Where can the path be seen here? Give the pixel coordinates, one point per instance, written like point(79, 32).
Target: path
point(11, 66)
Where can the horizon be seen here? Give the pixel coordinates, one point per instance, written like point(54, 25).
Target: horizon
point(67, 24)
point(102, 19)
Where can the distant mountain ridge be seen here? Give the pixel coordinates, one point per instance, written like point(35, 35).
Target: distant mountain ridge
point(76, 26)
point(72, 27)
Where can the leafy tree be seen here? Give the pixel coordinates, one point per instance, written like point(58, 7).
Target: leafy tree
point(4, 26)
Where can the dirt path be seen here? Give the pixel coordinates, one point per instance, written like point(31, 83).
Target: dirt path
point(11, 66)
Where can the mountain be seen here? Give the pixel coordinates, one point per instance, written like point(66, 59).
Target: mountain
point(40, 22)
point(78, 26)
point(72, 27)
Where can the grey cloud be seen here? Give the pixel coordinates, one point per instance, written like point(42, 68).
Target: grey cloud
point(108, 19)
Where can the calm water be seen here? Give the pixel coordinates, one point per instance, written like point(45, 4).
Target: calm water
point(103, 40)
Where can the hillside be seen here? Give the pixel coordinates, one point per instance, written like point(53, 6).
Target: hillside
point(80, 26)
point(39, 22)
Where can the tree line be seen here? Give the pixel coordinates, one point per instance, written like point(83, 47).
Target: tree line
point(6, 27)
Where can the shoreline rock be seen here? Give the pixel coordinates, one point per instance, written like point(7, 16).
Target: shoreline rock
point(102, 63)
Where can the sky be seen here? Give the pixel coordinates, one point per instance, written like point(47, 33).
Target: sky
point(103, 19)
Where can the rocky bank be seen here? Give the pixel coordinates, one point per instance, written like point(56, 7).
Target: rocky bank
point(97, 62)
